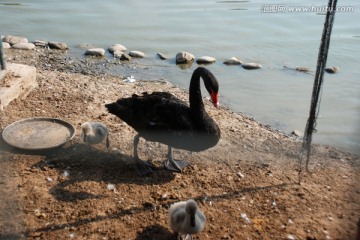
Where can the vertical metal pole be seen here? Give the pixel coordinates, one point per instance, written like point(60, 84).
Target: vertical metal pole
point(2, 60)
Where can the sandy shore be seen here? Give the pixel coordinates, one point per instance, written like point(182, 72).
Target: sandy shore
point(251, 171)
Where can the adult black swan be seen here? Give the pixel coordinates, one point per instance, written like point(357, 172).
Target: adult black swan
point(161, 117)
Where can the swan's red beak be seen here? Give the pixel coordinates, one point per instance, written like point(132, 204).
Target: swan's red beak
point(215, 99)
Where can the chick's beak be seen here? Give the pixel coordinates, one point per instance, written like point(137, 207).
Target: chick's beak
point(215, 99)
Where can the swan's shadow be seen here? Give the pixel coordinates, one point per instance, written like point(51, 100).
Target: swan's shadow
point(157, 232)
point(79, 163)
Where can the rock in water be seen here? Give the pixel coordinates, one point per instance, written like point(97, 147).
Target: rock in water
point(184, 57)
point(232, 61)
point(95, 52)
point(205, 60)
point(137, 54)
point(332, 69)
point(117, 48)
point(251, 66)
point(58, 45)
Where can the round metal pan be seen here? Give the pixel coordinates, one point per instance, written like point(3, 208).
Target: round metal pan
point(38, 133)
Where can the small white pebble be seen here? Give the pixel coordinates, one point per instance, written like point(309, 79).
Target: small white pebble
point(110, 187)
point(240, 174)
point(290, 221)
point(330, 218)
point(130, 79)
point(66, 173)
point(245, 217)
point(274, 203)
point(49, 179)
point(290, 237)
point(164, 196)
point(282, 226)
point(327, 237)
point(72, 235)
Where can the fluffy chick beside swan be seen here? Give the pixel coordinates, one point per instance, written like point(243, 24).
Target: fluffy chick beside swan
point(94, 133)
point(185, 218)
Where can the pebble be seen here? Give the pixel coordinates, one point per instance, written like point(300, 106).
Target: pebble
point(332, 69)
point(205, 59)
point(125, 57)
point(246, 219)
point(137, 54)
point(117, 48)
point(290, 237)
point(184, 57)
point(23, 46)
point(6, 45)
point(95, 52)
point(13, 39)
point(240, 174)
point(302, 69)
point(117, 54)
point(40, 43)
point(129, 79)
point(251, 66)
point(66, 173)
point(58, 45)
point(297, 133)
point(232, 61)
point(162, 56)
point(110, 187)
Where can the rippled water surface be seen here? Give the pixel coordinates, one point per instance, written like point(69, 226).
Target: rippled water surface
point(249, 30)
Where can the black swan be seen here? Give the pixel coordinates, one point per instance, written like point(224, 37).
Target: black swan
point(161, 117)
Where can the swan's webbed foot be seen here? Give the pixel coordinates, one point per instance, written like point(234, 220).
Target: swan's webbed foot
point(142, 168)
point(174, 165)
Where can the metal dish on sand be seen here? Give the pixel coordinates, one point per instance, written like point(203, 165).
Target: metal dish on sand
point(38, 133)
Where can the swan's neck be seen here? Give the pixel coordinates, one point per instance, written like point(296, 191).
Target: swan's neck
point(195, 98)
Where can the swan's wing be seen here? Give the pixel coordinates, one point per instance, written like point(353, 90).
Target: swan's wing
point(166, 112)
point(152, 112)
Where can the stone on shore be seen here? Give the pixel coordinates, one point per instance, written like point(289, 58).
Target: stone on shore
point(58, 45)
point(40, 43)
point(13, 39)
point(18, 82)
point(6, 45)
point(125, 57)
point(251, 66)
point(23, 46)
point(232, 61)
point(117, 48)
point(205, 60)
point(136, 54)
point(297, 133)
point(184, 57)
point(95, 52)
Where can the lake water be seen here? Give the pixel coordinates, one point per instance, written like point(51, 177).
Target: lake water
point(250, 30)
